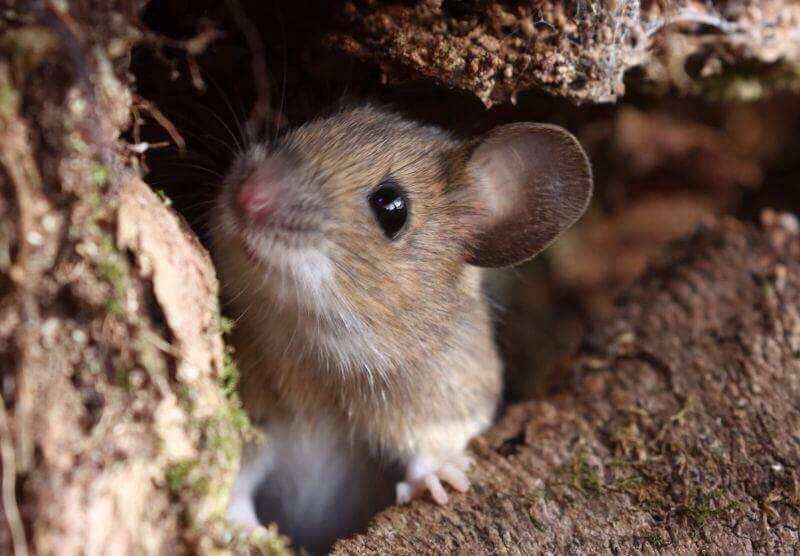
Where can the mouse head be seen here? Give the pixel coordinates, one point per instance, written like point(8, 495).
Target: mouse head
point(375, 226)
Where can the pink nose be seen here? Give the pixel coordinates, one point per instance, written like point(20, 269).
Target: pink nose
point(254, 198)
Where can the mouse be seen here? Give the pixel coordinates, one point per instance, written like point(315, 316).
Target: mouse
point(350, 252)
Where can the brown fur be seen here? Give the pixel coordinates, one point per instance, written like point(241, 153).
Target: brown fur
point(423, 305)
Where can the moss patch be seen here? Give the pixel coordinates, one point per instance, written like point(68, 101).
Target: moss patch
point(177, 473)
point(585, 476)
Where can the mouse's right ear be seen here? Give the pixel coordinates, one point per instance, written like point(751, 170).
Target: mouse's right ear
point(529, 183)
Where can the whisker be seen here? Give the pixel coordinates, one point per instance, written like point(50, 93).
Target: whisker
point(233, 152)
point(238, 118)
point(238, 141)
point(281, 106)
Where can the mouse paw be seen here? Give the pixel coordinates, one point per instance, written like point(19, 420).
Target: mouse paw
point(426, 474)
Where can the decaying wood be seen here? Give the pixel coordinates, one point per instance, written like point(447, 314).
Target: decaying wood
point(116, 435)
point(580, 49)
point(678, 432)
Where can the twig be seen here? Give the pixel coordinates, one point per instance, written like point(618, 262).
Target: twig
point(16, 159)
point(9, 485)
point(198, 44)
point(162, 120)
point(197, 76)
point(193, 47)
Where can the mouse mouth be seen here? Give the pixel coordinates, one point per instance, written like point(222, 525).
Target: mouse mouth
point(281, 229)
point(264, 241)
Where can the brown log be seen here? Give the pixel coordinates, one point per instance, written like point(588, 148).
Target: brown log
point(678, 431)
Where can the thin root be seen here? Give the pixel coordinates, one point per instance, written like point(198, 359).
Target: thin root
point(162, 120)
point(9, 484)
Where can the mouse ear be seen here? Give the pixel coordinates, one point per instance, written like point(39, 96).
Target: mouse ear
point(530, 183)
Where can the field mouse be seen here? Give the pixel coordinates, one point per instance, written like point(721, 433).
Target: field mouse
point(350, 253)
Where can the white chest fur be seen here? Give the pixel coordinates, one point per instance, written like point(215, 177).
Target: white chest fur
point(312, 480)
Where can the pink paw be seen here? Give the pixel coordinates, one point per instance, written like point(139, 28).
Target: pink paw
point(426, 473)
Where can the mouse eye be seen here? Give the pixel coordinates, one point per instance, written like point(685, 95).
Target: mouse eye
point(390, 206)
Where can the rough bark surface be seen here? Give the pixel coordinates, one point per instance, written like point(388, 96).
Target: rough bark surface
point(580, 49)
point(115, 432)
point(679, 431)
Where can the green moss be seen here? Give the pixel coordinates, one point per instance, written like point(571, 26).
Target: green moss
point(655, 540)
point(230, 425)
point(230, 376)
point(115, 306)
point(239, 419)
point(227, 430)
point(225, 325)
point(100, 175)
point(113, 268)
point(177, 474)
point(122, 378)
point(585, 477)
point(186, 396)
point(700, 508)
point(115, 273)
point(234, 414)
point(164, 198)
point(10, 100)
point(267, 541)
point(225, 444)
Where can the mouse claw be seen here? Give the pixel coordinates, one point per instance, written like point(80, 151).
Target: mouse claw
point(427, 475)
point(434, 486)
point(404, 493)
point(455, 477)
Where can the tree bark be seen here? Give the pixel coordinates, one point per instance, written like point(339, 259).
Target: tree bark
point(678, 430)
point(116, 435)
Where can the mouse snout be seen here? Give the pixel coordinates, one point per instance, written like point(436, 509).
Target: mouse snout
point(255, 198)
point(273, 197)
point(258, 195)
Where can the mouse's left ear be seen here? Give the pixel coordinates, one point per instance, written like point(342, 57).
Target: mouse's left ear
point(529, 182)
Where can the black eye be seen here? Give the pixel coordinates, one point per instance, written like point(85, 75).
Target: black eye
point(390, 207)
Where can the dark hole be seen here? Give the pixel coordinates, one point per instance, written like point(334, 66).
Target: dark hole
point(510, 446)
